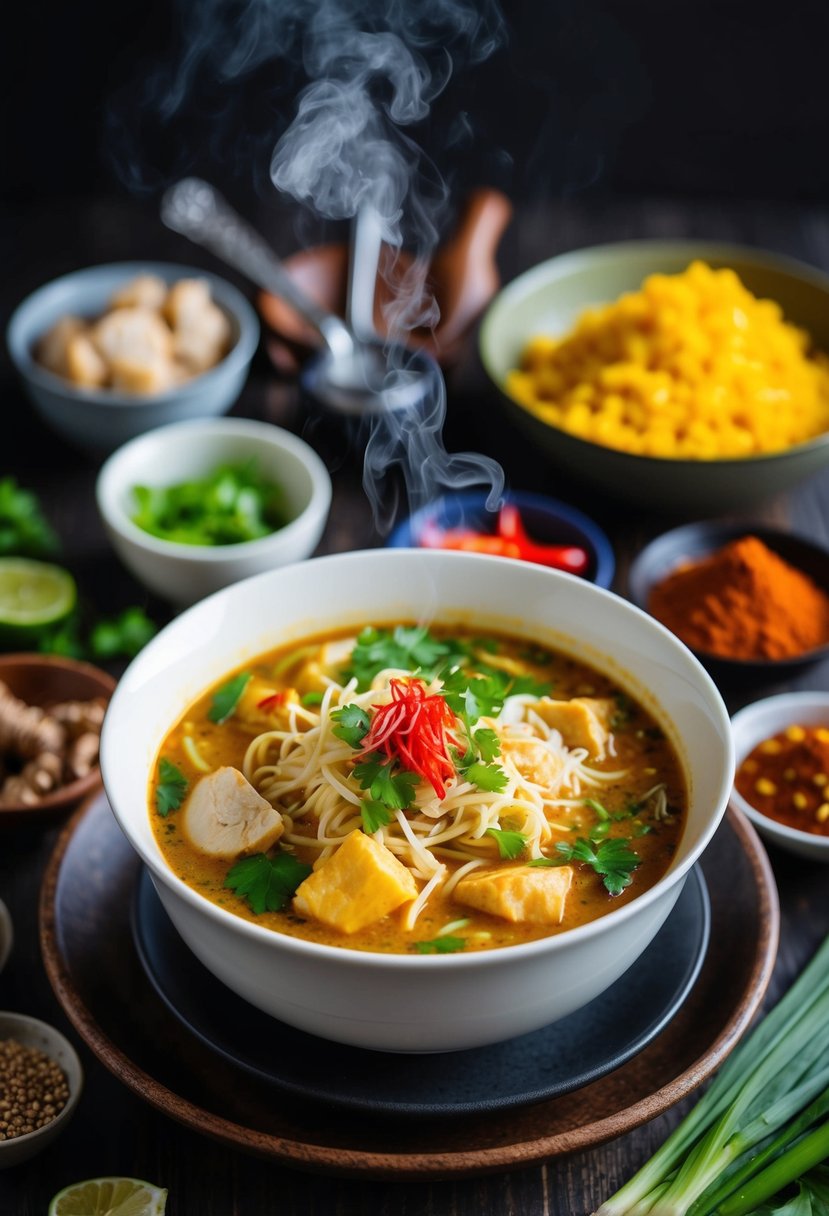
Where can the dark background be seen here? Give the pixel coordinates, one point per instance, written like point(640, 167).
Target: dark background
point(704, 98)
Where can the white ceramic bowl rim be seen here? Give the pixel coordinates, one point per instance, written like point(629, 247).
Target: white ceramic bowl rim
point(523, 282)
point(782, 701)
point(338, 564)
point(20, 333)
point(109, 484)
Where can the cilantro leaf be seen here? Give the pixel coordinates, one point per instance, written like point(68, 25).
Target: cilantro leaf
point(24, 530)
point(441, 945)
point(374, 815)
point(266, 883)
point(487, 743)
point(311, 698)
point(597, 808)
point(171, 787)
point(394, 790)
point(352, 724)
point(122, 636)
point(489, 777)
point(226, 698)
point(613, 860)
point(548, 861)
point(510, 844)
point(409, 647)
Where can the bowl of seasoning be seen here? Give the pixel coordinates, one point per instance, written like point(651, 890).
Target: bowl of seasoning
point(40, 1083)
point(192, 507)
point(531, 527)
point(746, 600)
point(687, 375)
point(782, 779)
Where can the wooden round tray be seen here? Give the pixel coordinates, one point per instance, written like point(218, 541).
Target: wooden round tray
point(85, 935)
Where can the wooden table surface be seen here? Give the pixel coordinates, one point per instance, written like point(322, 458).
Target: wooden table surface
point(114, 1132)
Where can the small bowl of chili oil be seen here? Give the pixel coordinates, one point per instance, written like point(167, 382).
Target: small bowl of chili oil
point(782, 780)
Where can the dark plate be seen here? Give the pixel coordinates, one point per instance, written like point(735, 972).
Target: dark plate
point(532, 1068)
point(85, 912)
point(693, 542)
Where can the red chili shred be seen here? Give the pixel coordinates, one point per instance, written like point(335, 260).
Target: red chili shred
point(416, 728)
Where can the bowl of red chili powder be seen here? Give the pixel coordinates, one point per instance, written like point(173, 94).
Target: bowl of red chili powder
point(744, 599)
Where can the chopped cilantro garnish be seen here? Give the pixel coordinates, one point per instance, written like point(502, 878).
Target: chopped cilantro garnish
point(24, 529)
point(489, 777)
point(487, 743)
point(374, 815)
point(393, 790)
point(510, 844)
point(441, 945)
point(352, 724)
point(267, 883)
point(122, 635)
point(311, 698)
point(171, 787)
point(409, 648)
point(613, 860)
point(226, 698)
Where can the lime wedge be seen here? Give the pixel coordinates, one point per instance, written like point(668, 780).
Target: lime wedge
point(33, 596)
point(109, 1197)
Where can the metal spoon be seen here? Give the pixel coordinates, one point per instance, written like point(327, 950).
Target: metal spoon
point(352, 375)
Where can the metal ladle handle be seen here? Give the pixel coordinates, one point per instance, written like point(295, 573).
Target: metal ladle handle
point(198, 211)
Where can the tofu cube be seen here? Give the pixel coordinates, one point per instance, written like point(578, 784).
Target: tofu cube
point(581, 722)
point(522, 894)
point(359, 884)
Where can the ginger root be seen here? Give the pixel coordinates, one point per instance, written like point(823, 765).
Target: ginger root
point(42, 750)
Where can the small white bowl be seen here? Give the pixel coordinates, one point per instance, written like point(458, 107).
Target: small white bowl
point(759, 721)
point(397, 1002)
point(101, 419)
point(186, 450)
point(31, 1032)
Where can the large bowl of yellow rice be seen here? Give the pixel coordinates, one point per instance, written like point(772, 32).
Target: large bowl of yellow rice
point(685, 375)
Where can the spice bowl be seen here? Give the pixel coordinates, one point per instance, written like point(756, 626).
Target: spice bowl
point(695, 542)
point(545, 521)
point(755, 724)
point(46, 681)
point(51, 1047)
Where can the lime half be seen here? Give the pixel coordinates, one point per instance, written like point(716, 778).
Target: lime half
point(109, 1197)
point(33, 596)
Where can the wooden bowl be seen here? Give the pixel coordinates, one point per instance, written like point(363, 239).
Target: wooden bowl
point(463, 277)
point(47, 680)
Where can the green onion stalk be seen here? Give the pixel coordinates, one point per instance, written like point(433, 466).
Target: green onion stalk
point(765, 1113)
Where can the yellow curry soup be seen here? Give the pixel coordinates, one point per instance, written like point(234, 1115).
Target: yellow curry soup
point(418, 791)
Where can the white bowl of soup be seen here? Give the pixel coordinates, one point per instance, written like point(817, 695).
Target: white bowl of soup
point(417, 801)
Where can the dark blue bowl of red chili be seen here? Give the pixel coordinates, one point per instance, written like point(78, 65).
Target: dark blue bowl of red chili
point(522, 525)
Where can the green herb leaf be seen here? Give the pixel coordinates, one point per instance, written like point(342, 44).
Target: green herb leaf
point(510, 844)
point(171, 787)
point(441, 945)
point(410, 648)
point(374, 815)
point(311, 698)
point(24, 529)
point(267, 883)
point(548, 861)
point(490, 777)
point(597, 808)
point(122, 636)
point(487, 743)
point(394, 790)
point(613, 860)
point(226, 698)
point(352, 724)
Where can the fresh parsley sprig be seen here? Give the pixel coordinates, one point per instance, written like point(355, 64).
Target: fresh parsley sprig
point(612, 859)
point(352, 724)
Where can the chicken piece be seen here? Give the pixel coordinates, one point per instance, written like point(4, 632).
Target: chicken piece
point(50, 351)
point(359, 884)
point(265, 707)
point(581, 722)
point(139, 376)
point(201, 330)
point(225, 816)
point(134, 336)
point(144, 291)
point(531, 894)
point(84, 365)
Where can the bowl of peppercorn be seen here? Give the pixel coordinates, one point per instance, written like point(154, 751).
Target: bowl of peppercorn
point(749, 601)
point(781, 748)
point(40, 1083)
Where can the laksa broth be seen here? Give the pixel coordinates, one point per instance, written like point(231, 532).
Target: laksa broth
point(418, 791)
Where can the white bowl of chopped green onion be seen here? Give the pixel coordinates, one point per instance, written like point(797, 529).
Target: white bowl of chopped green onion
point(195, 506)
